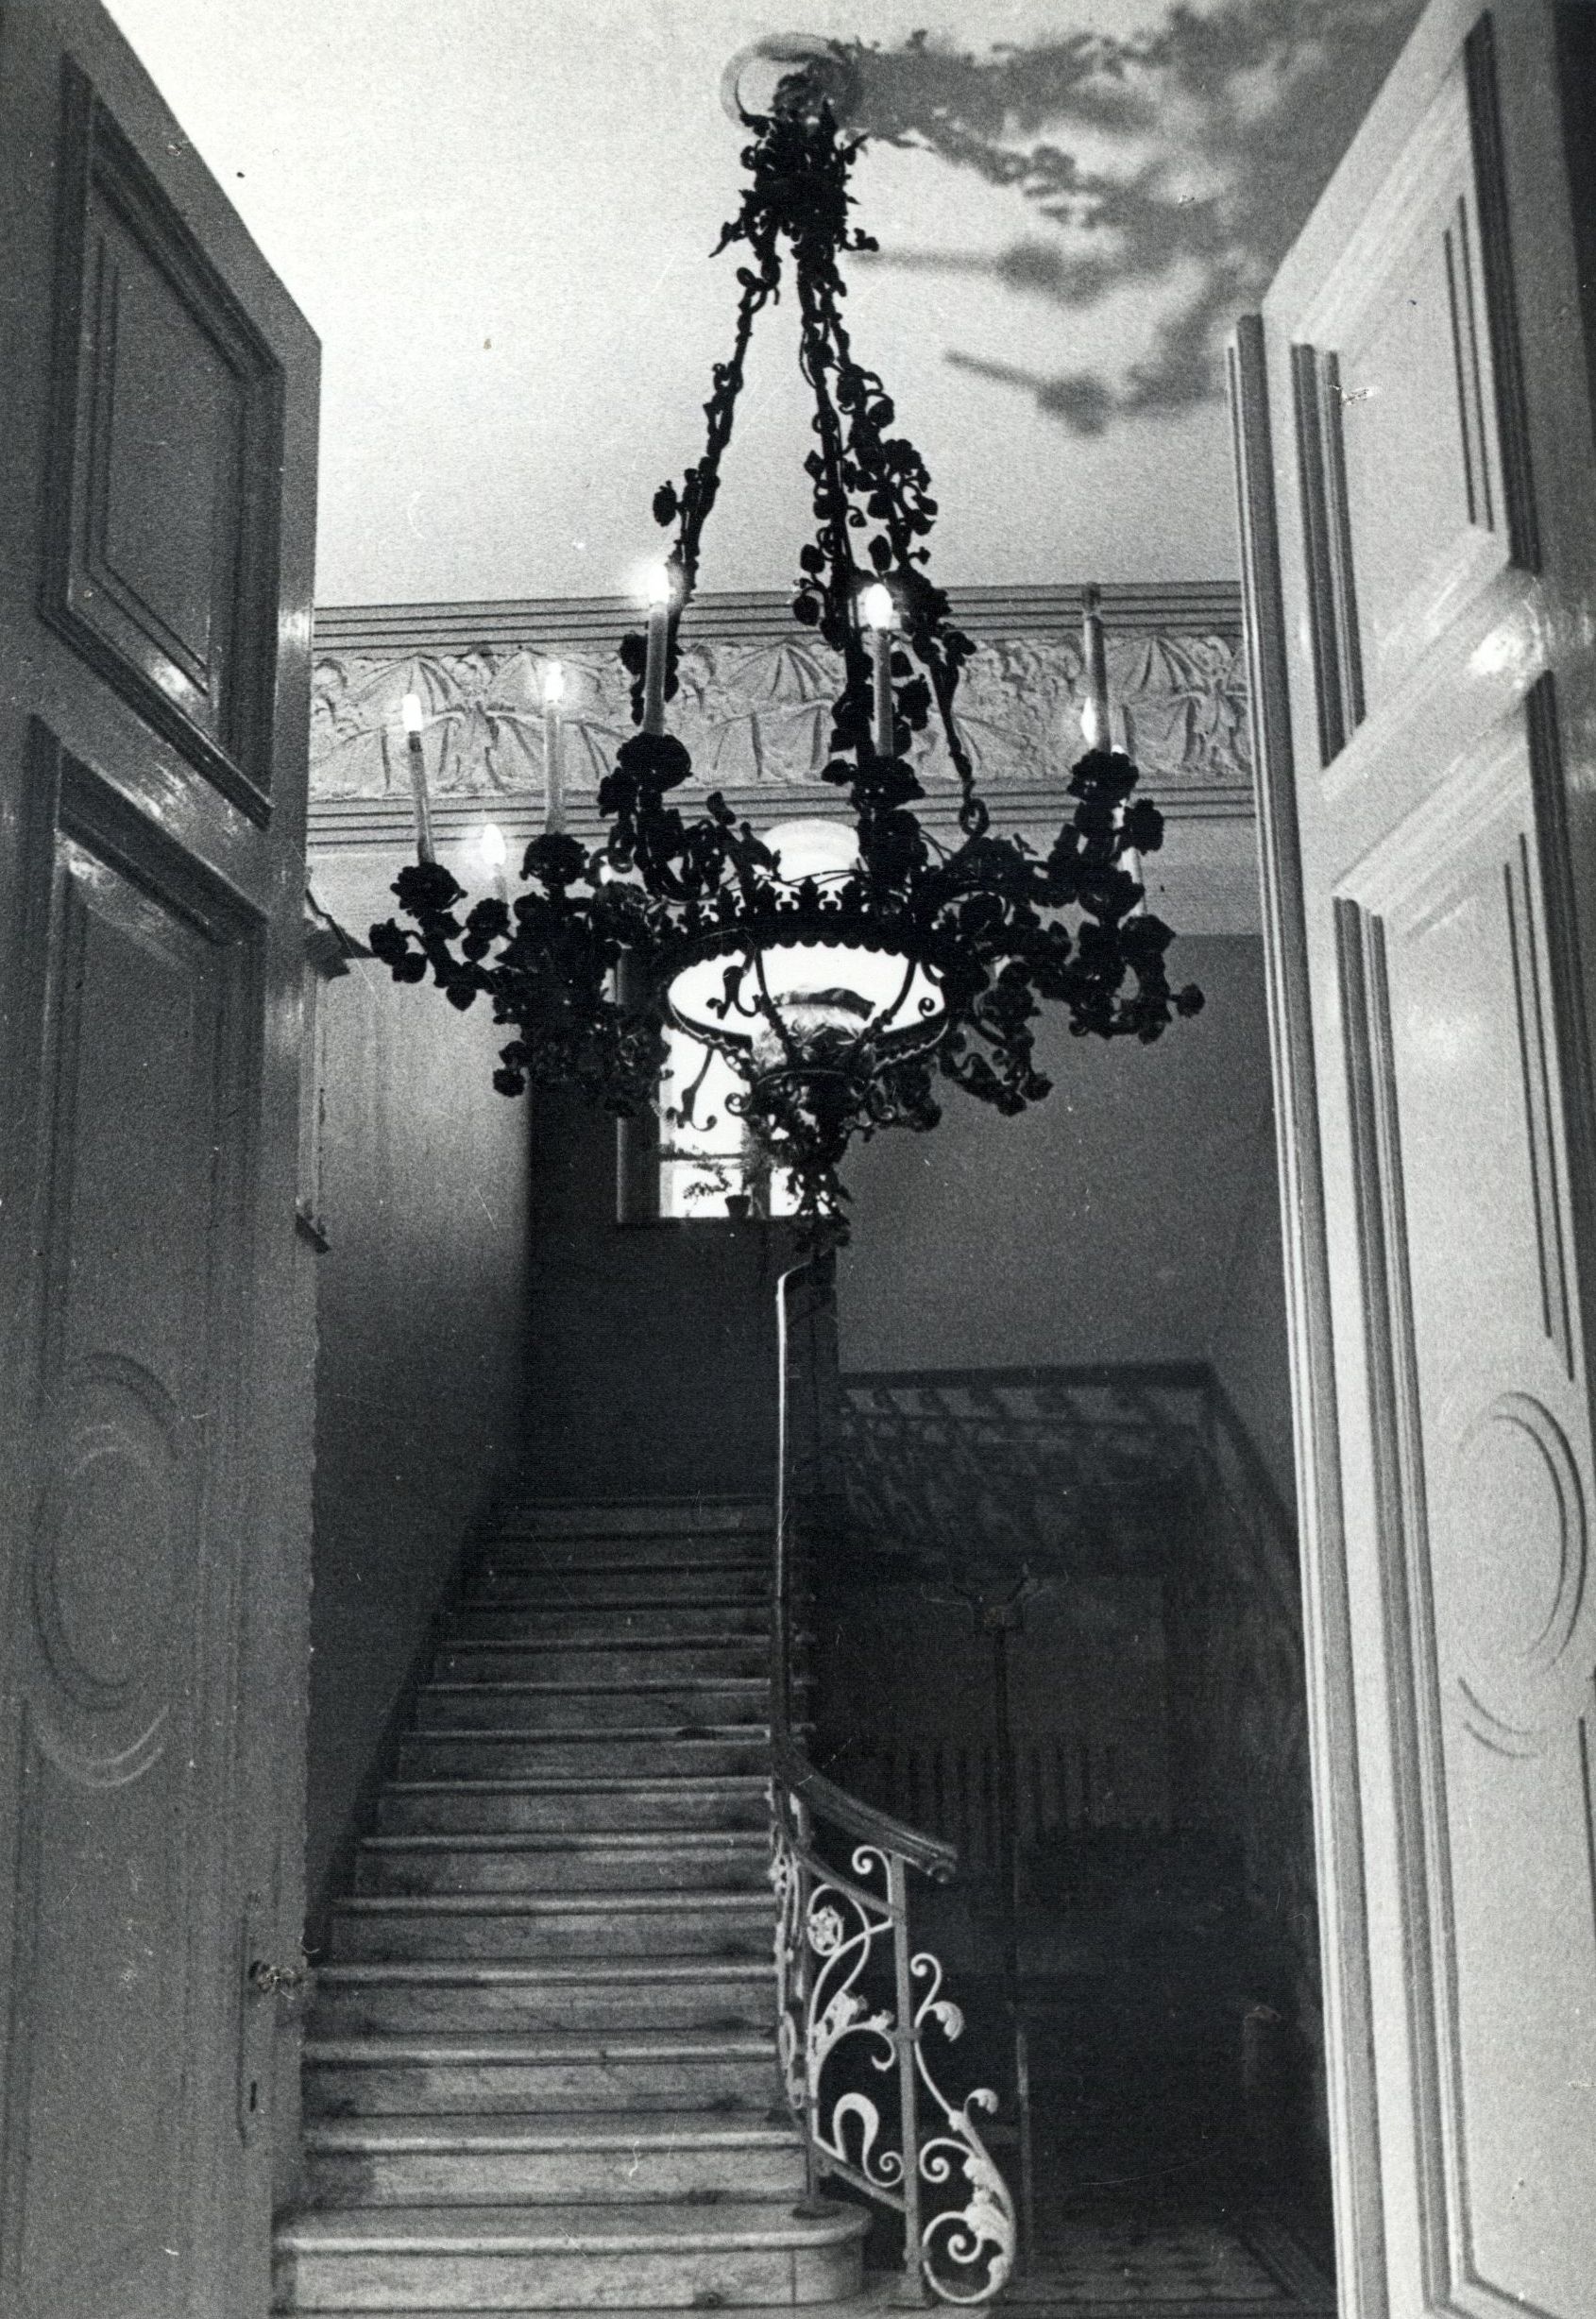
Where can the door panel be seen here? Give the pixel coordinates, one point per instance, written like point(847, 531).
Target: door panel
point(146, 993)
point(1416, 502)
point(156, 504)
point(1397, 410)
point(1483, 1461)
point(162, 545)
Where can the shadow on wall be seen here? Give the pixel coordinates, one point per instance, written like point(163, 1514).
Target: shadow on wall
point(1209, 136)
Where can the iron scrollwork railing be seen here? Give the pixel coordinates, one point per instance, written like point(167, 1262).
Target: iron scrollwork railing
point(860, 2012)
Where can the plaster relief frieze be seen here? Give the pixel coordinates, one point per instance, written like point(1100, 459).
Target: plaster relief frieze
point(756, 714)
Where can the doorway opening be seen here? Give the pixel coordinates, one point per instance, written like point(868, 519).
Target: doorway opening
point(1059, 1626)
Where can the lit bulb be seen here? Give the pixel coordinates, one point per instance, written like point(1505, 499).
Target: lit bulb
point(410, 709)
point(824, 850)
point(554, 683)
point(659, 583)
point(493, 848)
point(878, 606)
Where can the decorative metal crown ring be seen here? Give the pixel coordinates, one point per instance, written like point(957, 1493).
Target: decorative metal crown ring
point(795, 926)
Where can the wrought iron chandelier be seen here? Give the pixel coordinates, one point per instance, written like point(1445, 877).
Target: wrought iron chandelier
point(843, 968)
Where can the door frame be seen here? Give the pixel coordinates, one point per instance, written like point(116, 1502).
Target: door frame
point(1344, 1929)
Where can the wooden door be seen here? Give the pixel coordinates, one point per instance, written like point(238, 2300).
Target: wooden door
point(1417, 470)
point(156, 504)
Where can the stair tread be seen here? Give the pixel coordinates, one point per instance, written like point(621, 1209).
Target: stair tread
point(603, 1784)
point(720, 1510)
point(602, 1606)
point(549, 1905)
point(880, 2294)
point(557, 1643)
point(665, 2225)
point(382, 2046)
point(621, 1686)
point(606, 1732)
point(574, 1840)
point(531, 1557)
point(621, 2129)
point(475, 1972)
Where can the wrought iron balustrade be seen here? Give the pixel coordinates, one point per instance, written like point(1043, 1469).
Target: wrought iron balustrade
point(864, 2027)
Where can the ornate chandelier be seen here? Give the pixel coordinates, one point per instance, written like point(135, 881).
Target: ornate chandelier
point(843, 968)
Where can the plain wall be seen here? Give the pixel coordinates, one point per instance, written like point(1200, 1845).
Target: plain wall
point(1130, 1216)
point(1247, 1347)
point(420, 1376)
point(652, 1365)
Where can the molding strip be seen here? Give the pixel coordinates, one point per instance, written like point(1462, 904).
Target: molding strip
point(1207, 607)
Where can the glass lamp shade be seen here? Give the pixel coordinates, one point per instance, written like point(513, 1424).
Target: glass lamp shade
point(797, 1006)
point(827, 851)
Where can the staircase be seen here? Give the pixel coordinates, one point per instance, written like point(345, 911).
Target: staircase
point(540, 2073)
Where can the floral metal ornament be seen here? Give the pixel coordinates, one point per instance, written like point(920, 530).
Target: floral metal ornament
point(844, 995)
point(853, 2044)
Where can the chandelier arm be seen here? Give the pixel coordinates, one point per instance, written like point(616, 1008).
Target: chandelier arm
point(701, 484)
point(924, 622)
point(682, 1114)
point(690, 507)
point(887, 494)
point(833, 505)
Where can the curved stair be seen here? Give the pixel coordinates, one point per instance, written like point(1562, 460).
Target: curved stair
point(540, 2072)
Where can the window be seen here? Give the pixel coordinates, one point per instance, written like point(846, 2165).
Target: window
point(708, 1166)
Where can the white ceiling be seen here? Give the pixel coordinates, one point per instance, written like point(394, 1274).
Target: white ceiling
point(497, 213)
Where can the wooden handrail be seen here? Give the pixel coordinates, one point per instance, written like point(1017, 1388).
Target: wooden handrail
point(790, 1763)
point(835, 1805)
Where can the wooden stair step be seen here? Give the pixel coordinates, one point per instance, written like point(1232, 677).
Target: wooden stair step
point(667, 1583)
point(609, 1993)
point(632, 1705)
point(670, 2256)
point(553, 1806)
point(672, 1860)
point(605, 1618)
point(623, 1517)
point(647, 1550)
point(605, 2155)
point(609, 1659)
point(638, 2069)
point(739, 1748)
point(511, 1925)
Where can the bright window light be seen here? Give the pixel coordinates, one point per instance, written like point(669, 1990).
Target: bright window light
point(706, 1162)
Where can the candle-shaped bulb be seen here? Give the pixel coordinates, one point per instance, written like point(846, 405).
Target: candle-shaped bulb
point(878, 606)
point(553, 685)
point(661, 594)
point(493, 852)
point(410, 709)
point(879, 613)
point(1095, 719)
